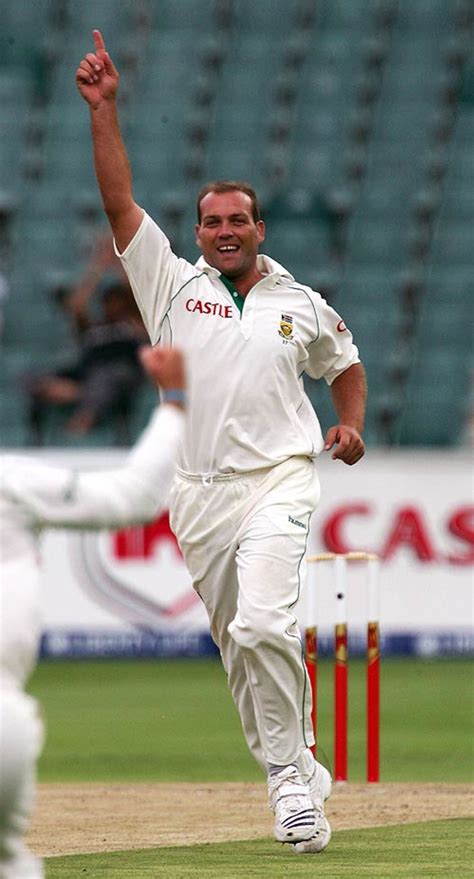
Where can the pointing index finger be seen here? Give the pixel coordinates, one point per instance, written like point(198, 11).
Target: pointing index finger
point(98, 41)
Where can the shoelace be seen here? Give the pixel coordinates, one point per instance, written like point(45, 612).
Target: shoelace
point(285, 785)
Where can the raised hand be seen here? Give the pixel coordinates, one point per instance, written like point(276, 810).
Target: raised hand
point(96, 77)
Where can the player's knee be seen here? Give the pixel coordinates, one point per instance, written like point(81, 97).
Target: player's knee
point(258, 629)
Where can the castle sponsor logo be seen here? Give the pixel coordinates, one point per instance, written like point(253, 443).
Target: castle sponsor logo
point(213, 308)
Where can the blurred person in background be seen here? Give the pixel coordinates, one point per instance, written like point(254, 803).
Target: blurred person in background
point(103, 381)
point(35, 496)
point(246, 482)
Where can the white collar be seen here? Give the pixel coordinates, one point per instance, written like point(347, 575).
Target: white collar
point(267, 266)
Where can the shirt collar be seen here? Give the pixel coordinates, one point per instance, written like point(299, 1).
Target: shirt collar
point(269, 267)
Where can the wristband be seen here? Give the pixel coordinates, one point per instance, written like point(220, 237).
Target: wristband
point(173, 395)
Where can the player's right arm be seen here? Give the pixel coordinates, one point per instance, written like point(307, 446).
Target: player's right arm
point(97, 80)
point(154, 271)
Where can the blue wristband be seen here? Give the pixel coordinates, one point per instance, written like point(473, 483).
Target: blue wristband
point(173, 396)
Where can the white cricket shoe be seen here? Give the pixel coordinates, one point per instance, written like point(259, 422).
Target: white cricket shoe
point(290, 800)
point(320, 785)
point(25, 866)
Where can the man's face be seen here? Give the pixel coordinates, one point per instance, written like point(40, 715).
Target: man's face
point(228, 235)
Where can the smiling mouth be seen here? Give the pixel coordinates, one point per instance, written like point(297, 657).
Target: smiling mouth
point(228, 248)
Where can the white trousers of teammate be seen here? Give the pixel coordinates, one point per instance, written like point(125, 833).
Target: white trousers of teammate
point(34, 496)
point(244, 540)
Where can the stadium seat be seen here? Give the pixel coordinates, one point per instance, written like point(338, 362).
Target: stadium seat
point(425, 16)
point(338, 15)
point(435, 410)
point(453, 243)
point(196, 18)
point(295, 243)
point(110, 18)
point(372, 242)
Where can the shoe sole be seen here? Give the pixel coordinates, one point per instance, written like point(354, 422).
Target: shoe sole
point(314, 847)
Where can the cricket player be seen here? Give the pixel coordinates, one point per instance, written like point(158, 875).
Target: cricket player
point(34, 496)
point(246, 483)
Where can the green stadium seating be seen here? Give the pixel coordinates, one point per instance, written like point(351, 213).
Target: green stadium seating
point(261, 19)
point(339, 15)
point(328, 97)
point(435, 407)
point(195, 18)
point(370, 241)
point(453, 243)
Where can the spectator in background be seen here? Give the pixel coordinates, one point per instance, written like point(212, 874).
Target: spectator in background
point(105, 377)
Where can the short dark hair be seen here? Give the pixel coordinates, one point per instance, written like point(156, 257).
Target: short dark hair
point(229, 186)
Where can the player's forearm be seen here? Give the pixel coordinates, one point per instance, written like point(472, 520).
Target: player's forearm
point(349, 395)
point(111, 161)
point(138, 491)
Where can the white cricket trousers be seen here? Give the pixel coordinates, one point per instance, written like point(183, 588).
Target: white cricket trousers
point(244, 540)
point(21, 728)
point(33, 496)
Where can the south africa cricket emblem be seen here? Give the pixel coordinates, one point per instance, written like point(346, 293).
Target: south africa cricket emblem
point(286, 327)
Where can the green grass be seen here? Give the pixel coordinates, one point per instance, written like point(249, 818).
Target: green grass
point(174, 720)
point(438, 848)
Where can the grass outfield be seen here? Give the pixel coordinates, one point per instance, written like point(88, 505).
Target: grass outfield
point(437, 848)
point(174, 720)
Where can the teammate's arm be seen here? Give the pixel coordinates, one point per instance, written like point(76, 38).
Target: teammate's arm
point(349, 394)
point(165, 367)
point(137, 491)
point(97, 80)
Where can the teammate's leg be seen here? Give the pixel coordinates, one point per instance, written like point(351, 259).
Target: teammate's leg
point(20, 744)
point(34, 495)
point(21, 731)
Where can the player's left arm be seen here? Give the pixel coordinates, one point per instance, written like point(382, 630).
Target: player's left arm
point(349, 394)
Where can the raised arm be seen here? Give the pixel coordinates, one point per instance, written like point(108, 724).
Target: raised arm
point(97, 80)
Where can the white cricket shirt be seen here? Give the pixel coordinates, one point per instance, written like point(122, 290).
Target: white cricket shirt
point(247, 405)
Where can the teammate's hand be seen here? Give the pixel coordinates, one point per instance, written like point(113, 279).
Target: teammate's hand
point(96, 77)
point(349, 443)
point(165, 366)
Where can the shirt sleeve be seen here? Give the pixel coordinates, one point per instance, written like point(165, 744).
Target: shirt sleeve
point(333, 351)
point(155, 274)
